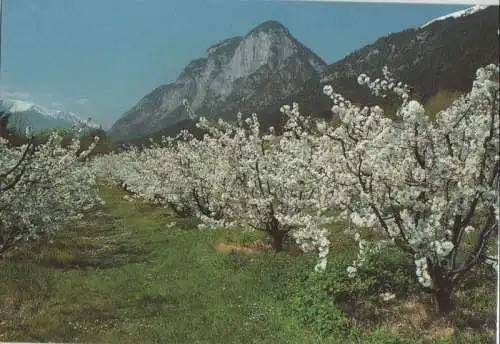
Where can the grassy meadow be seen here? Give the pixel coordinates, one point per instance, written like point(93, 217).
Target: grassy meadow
point(125, 275)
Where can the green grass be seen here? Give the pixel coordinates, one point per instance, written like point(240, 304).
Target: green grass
point(123, 276)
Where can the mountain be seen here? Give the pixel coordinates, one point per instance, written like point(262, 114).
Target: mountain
point(457, 14)
point(238, 74)
point(37, 118)
point(269, 68)
point(441, 56)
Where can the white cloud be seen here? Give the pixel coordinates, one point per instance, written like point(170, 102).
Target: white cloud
point(57, 105)
point(6, 93)
point(82, 101)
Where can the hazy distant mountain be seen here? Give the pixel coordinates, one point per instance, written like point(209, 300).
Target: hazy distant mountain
point(26, 114)
point(269, 68)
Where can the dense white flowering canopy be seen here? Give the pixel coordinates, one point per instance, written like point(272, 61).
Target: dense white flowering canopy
point(426, 185)
point(42, 187)
point(237, 176)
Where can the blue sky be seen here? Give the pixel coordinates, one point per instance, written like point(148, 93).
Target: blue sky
point(99, 57)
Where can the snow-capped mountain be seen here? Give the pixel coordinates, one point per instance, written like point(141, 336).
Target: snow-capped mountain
point(457, 14)
point(27, 114)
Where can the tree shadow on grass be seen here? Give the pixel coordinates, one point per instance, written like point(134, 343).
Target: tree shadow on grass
point(98, 257)
point(154, 305)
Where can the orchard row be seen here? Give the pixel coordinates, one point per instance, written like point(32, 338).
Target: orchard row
point(426, 185)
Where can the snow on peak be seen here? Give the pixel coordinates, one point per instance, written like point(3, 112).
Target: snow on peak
point(457, 14)
point(18, 105)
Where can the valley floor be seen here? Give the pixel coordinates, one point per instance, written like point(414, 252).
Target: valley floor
point(122, 276)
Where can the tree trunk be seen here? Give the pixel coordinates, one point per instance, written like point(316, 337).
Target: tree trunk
point(443, 297)
point(274, 229)
point(278, 240)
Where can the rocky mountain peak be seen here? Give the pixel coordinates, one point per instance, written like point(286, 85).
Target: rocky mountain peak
point(238, 74)
point(224, 46)
point(270, 27)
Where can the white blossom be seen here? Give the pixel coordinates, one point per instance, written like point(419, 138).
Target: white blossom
point(387, 296)
point(42, 187)
point(351, 271)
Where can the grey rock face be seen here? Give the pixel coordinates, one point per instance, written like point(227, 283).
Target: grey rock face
point(239, 74)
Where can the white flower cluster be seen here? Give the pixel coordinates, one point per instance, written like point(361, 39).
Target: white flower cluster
point(237, 175)
point(421, 183)
point(442, 248)
point(351, 271)
point(380, 87)
point(42, 186)
point(422, 272)
point(493, 262)
point(387, 296)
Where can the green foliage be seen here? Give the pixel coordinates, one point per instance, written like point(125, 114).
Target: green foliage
point(61, 131)
point(440, 101)
point(384, 337)
point(476, 306)
point(317, 310)
point(388, 270)
point(330, 302)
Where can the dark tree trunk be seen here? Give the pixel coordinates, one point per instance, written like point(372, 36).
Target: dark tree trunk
point(443, 288)
point(274, 229)
point(443, 297)
point(278, 241)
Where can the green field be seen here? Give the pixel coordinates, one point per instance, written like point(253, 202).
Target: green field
point(122, 275)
